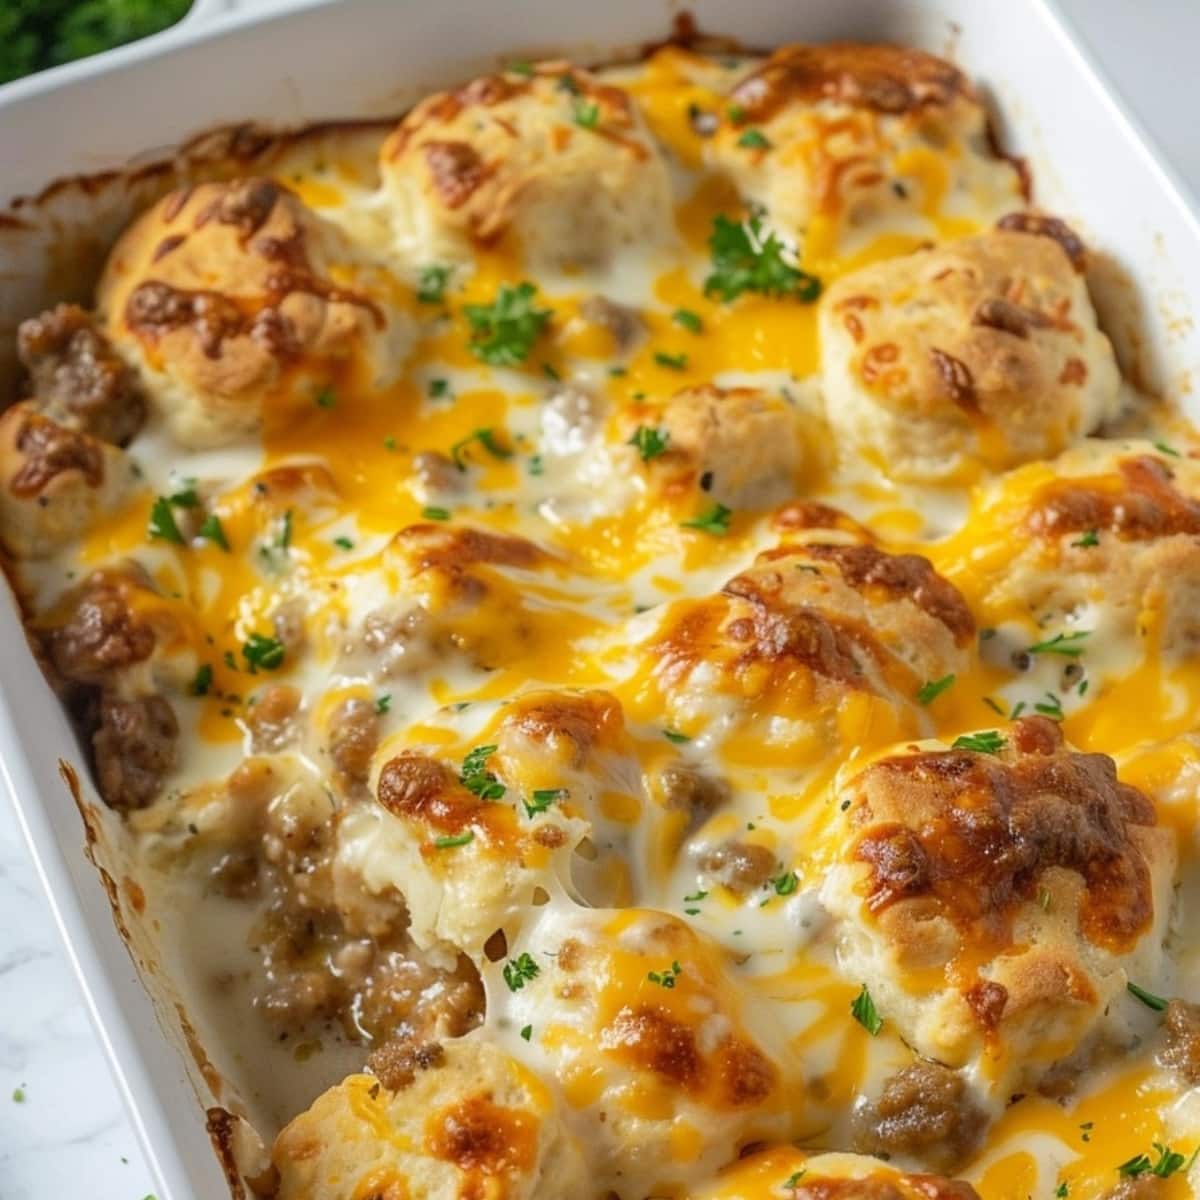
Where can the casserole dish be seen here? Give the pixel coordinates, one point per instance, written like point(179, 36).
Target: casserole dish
point(52, 248)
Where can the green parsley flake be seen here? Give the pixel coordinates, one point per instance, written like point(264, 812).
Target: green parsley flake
point(519, 971)
point(432, 288)
point(1165, 449)
point(1168, 1163)
point(1089, 538)
point(927, 693)
point(1066, 644)
point(389, 442)
point(754, 139)
point(486, 438)
point(1050, 707)
point(213, 531)
point(431, 512)
point(744, 260)
point(521, 67)
point(439, 389)
point(188, 498)
point(696, 896)
point(202, 681)
point(667, 978)
point(785, 884)
point(504, 332)
point(343, 543)
point(792, 1182)
point(265, 652)
point(688, 319)
point(458, 839)
point(1061, 1191)
point(672, 362)
point(715, 521)
point(736, 113)
point(1149, 999)
point(678, 738)
point(383, 703)
point(526, 1032)
point(162, 522)
point(650, 442)
point(987, 742)
point(542, 799)
point(326, 397)
point(18, 1095)
point(476, 778)
point(586, 116)
point(863, 1010)
point(536, 466)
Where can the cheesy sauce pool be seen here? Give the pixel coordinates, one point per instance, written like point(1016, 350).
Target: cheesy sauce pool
point(629, 651)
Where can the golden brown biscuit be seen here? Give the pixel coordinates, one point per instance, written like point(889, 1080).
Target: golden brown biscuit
point(984, 350)
point(995, 899)
point(808, 628)
point(742, 447)
point(836, 143)
point(557, 157)
point(643, 1025)
point(459, 1119)
point(232, 299)
point(55, 482)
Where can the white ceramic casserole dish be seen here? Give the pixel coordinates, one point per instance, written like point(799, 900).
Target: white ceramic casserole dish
point(294, 65)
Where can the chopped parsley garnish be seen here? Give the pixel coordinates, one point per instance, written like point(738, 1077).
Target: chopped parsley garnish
point(736, 113)
point(863, 1010)
point(439, 389)
point(1089, 538)
point(1164, 1166)
point(457, 839)
point(526, 1032)
point(326, 397)
point(688, 319)
point(486, 438)
point(650, 442)
point(551, 372)
point(666, 978)
point(785, 884)
point(431, 512)
point(201, 681)
point(673, 736)
point(1050, 707)
point(477, 779)
point(383, 703)
point(521, 67)
point(389, 442)
point(1165, 449)
point(188, 498)
point(744, 260)
point(927, 693)
point(162, 522)
point(265, 652)
point(519, 971)
point(987, 742)
point(793, 1180)
point(542, 799)
point(284, 540)
point(503, 332)
point(212, 530)
point(1061, 1191)
point(536, 466)
point(1066, 644)
point(432, 288)
point(754, 139)
point(696, 896)
point(229, 660)
point(343, 543)
point(586, 116)
point(1149, 999)
point(673, 362)
point(714, 521)
point(567, 83)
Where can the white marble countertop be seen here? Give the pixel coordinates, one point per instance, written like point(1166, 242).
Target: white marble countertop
point(63, 1130)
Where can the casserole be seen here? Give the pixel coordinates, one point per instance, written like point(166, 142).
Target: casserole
point(996, 50)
